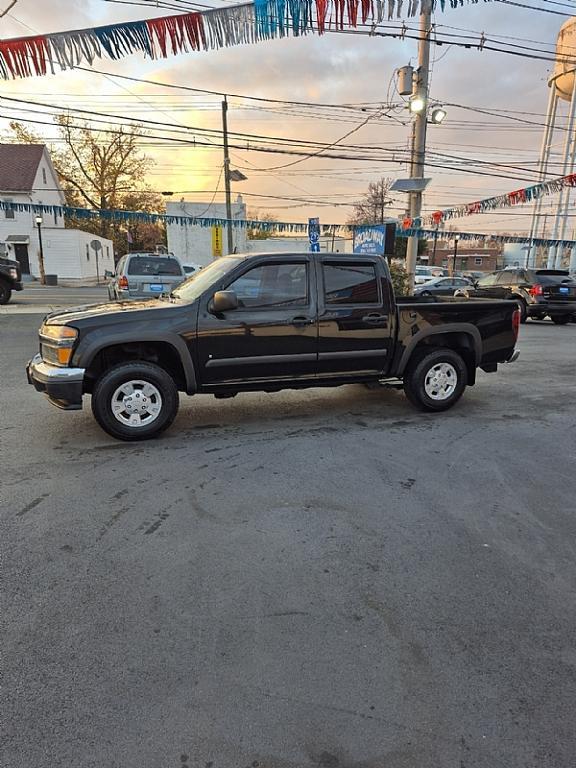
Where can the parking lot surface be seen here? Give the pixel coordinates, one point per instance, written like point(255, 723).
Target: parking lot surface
point(324, 578)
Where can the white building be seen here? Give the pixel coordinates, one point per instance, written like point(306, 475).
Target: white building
point(28, 176)
point(194, 244)
point(299, 244)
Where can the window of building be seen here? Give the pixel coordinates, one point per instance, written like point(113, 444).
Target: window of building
point(107, 252)
point(87, 252)
point(478, 260)
point(55, 218)
point(9, 212)
point(349, 283)
point(44, 176)
point(272, 285)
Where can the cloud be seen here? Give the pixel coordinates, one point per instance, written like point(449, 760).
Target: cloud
point(335, 68)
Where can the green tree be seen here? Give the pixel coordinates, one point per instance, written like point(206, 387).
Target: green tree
point(260, 234)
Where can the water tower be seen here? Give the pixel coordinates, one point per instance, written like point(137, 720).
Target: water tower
point(562, 84)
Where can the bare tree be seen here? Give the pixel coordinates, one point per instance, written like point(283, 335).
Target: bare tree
point(99, 170)
point(371, 209)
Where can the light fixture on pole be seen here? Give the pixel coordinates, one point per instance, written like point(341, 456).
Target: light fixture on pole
point(437, 114)
point(417, 103)
point(38, 221)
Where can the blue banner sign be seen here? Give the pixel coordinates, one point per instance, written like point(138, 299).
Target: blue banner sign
point(314, 234)
point(370, 239)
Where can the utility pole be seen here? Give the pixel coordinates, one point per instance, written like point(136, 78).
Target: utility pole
point(418, 154)
point(227, 174)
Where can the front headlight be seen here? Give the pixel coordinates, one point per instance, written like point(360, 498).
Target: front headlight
point(13, 272)
point(57, 342)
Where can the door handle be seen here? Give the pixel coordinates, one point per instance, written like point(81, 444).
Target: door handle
point(301, 321)
point(375, 319)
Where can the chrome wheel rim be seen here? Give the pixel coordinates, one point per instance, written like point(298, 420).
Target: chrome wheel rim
point(440, 382)
point(136, 403)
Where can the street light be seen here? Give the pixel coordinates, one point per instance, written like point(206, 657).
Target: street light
point(41, 269)
point(417, 103)
point(456, 238)
point(437, 114)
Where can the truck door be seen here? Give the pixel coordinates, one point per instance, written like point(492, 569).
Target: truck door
point(355, 316)
point(273, 334)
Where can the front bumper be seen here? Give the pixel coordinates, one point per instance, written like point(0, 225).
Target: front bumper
point(18, 286)
point(62, 386)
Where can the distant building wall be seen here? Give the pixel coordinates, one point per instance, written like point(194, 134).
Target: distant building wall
point(467, 259)
point(197, 244)
point(297, 245)
point(68, 253)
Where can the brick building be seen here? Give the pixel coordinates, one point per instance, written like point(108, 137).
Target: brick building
point(468, 258)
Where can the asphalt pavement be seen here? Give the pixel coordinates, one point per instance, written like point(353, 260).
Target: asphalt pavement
point(36, 298)
point(294, 580)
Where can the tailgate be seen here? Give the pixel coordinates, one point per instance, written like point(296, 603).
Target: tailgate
point(154, 285)
point(560, 292)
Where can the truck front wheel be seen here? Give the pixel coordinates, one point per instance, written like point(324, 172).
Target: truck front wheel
point(135, 401)
point(435, 380)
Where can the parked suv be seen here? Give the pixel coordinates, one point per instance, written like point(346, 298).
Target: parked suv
point(10, 279)
point(538, 292)
point(145, 275)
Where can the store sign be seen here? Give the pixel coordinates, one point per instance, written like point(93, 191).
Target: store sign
point(216, 241)
point(377, 239)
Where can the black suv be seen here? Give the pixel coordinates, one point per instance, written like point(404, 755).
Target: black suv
point(538, 292)
point(10, 279)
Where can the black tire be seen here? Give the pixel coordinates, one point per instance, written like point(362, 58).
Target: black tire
point(5, 292)
point(537, 317)
point(523, 310)
point(561, 319)
point(103, 397)
point(418, 371)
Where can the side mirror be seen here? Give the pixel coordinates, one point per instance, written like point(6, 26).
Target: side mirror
point(108, 274)
point(223, 301)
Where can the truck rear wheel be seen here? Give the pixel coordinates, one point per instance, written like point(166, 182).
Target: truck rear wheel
point(435, 380)
point(135, 401)
point(560, 319)
point(5, 292)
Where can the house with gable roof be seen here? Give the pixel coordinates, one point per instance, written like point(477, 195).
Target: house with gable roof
point(28, 176)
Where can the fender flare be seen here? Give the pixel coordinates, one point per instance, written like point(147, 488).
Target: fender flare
point(85, 354)
point(425, 333)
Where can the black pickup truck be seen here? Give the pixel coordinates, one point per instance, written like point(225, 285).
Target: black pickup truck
point(267, 322)
point(10, 279)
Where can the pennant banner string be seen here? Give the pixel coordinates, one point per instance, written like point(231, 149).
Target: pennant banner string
point(272, 227)
point(507, 200)
point(199, 30)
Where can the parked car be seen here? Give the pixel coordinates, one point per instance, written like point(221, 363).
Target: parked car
point(538, 292)
point(473, 276)
point(10, 279)
point(267, 322)
point(189, 269)
point(442, 286)
point(422, 274)
point(145, 275)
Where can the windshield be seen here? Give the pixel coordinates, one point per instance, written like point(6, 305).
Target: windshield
point(195, 286)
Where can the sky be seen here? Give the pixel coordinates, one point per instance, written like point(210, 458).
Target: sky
point(330, 69)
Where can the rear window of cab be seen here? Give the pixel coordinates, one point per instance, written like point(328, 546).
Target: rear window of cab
point(154, 265)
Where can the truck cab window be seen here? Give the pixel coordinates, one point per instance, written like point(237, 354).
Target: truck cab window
point(272, 285)
point(346, 283)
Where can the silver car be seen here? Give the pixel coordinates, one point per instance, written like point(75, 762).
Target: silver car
point(145, 275)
